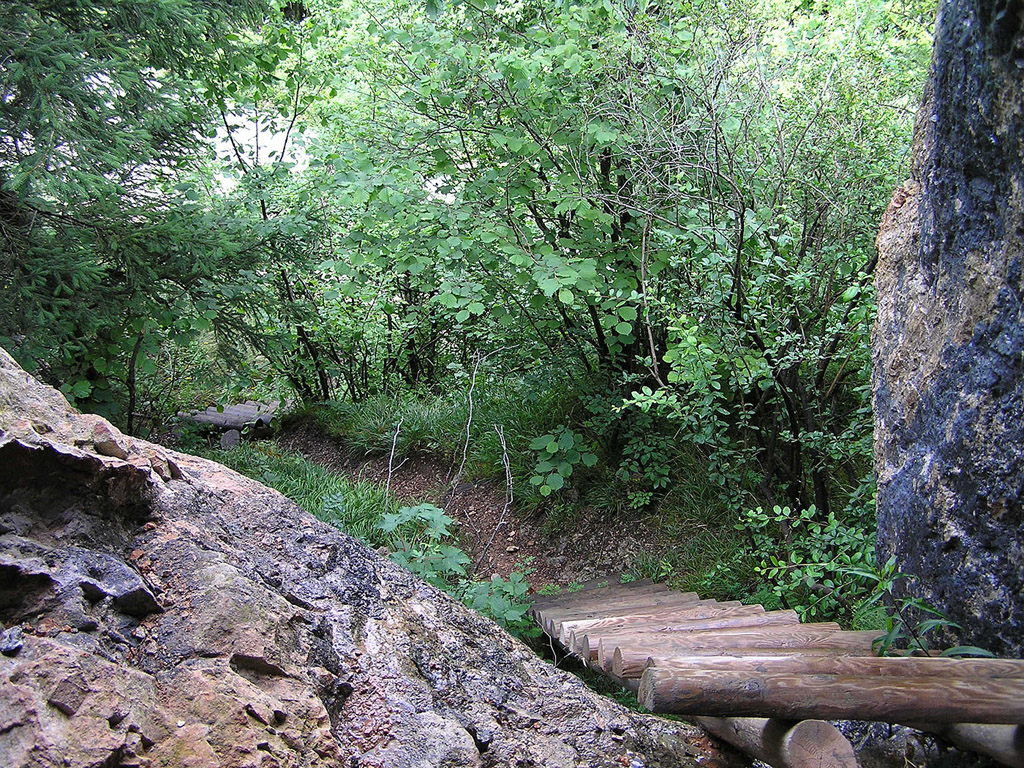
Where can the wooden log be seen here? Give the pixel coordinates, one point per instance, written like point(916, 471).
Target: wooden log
point(655, 617)
point(617, 605)
point(599, 588)
point(679, 619)
point(782, 744)
point(885, 666)
point(595, 604)
point(549, 617)
point(617, 600)
point(607, 640)
point(833, 697)
point(672, 644)
point(1004, 743)
point(630, 658)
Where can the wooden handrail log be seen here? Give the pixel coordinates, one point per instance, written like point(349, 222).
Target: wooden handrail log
point(657, 617)
point(885, 666)
point(833, 697)
point(807, 744)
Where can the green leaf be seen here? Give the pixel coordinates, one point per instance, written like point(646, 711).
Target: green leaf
point(540, 443)
point(555, 481)
point(968, 650)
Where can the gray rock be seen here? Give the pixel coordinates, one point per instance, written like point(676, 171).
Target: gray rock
point(230, 439)
point(12, 641)
point(948, 344)
point(281, 640)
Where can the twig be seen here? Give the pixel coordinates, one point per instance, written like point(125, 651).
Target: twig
point(469, 423)
point(647, 309)
point(391, 458)
point(509, 497)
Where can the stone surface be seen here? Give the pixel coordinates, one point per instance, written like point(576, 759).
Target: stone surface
point(230, 439)
point(949, 340)
point(174, 613)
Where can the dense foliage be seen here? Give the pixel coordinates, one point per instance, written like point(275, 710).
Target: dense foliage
point(639, 234)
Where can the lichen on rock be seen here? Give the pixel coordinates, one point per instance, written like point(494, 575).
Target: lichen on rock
point(948, 344)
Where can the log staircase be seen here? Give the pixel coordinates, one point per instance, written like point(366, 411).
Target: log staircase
point(766, 682)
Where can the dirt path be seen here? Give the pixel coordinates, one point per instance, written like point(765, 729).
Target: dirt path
point(499, 541)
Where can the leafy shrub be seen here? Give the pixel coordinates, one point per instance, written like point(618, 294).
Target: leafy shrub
point(909, 621)
point(421, 539)
point(810, 563)
point(558, 454)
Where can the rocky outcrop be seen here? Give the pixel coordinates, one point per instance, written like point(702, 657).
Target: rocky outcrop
point(161, 610)
point(949, 339)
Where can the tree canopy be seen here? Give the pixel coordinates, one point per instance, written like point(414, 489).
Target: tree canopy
point(663, 210)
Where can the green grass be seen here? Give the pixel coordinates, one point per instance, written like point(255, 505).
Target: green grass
point(354, 507)
point(436, 425)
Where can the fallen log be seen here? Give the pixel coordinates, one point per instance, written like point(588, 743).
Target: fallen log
point(781, 744)
point(833, 697)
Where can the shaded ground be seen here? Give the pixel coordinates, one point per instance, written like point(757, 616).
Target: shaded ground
point(498, 539)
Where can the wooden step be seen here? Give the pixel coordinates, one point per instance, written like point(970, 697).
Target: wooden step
point(594, 641)
point(630, 656)
point(614, 601)
point(931, 699)
point(590, 593)
point(548, 618)
point(657, 617)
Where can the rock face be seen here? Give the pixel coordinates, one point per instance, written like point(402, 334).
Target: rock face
point(161, 610)
point(949, 339)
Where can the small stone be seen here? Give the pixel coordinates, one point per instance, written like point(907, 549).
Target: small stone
point(110, 448)
point(255, 713)
point(230, 439)
point(137, 602)
point(69, 694)
point(180, 723)
point(116, 717)
point(512, 549)
point(12, 641)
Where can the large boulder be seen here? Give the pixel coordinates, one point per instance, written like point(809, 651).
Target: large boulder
point(949, 339)
point(161, 610)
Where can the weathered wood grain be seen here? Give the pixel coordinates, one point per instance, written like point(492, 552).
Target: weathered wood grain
point(664, 616)
point(833, 697)
point(782, 744)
